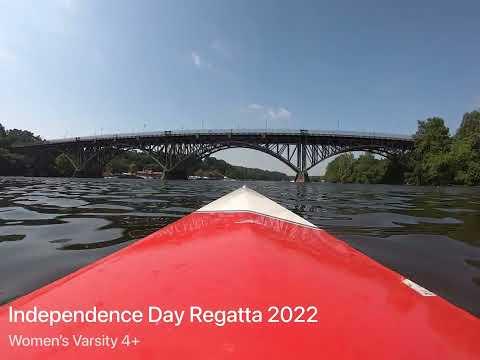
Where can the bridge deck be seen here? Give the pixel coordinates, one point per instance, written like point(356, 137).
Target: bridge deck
point(250, 133)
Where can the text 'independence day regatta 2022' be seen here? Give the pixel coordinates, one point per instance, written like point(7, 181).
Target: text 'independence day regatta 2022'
point(175, 317)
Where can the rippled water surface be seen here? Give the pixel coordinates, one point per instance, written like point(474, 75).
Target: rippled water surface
point(50, 227)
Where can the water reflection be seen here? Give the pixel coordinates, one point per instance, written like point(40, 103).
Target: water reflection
point(49, 227)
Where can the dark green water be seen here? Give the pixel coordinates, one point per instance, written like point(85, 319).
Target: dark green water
point(50, 227)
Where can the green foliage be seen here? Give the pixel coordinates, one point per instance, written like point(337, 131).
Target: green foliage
point(437, 158)
point(470, 126)
point(340, 169)
point(432, 136)
point(122, 163)
point(366, 169)
point(17, 136)
point(431, 161)
point(64, 165)
point(3, 137)
point(220, 167)
point(15, 163)
point(132, 169)
point(118, 165)
point(465, 151)
point(10, 163)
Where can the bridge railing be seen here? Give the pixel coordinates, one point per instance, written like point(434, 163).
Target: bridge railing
point(210, 132)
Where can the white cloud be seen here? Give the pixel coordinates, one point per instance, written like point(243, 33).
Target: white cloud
point(281, 113)
point(255, 107)
point(196, 59)
point(271, 112)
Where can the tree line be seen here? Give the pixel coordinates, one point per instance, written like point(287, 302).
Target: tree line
point(15, 163)
point(437, 158)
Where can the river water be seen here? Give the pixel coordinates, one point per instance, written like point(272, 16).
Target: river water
point(50, 227)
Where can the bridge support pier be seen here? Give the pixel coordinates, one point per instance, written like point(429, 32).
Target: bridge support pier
point(302, 153)
point(302, 177)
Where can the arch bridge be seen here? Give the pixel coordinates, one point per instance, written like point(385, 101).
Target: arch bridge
point(300, 150)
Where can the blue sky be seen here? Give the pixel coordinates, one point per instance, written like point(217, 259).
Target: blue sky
point(73, 67)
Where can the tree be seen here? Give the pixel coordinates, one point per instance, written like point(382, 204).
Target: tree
point(368, 170)
point(132, 169)
point(64, 166)
point(3, 137)
point(466, 150)
point(430, 159)
point(470, 126)
point(432, 136)
point(22, 136)
point(340, 169)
